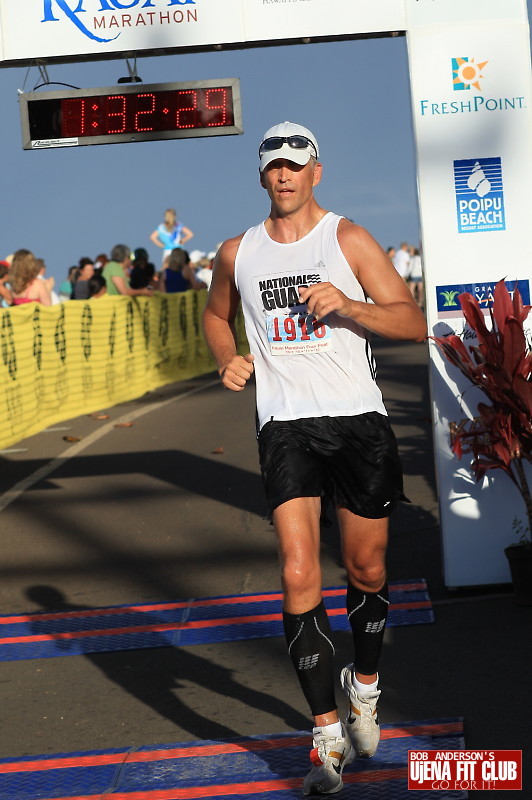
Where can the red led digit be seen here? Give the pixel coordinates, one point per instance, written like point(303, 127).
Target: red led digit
point(214, 102)
point(121, 113)
point(290, 329)
point(73, 117)
point(82, 118)
point(139, 127)
point(182, 120)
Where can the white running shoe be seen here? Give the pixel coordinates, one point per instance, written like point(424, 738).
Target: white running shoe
point(362, 722)
point(329, 757)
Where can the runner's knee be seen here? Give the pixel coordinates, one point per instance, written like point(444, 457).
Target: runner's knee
point(368, 576)
point(301, 576)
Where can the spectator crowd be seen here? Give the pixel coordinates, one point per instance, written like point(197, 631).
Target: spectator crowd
point(124, 272)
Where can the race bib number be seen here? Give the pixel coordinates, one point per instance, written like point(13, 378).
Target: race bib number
point(296, 334)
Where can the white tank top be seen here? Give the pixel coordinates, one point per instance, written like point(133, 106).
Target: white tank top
point(303, 368)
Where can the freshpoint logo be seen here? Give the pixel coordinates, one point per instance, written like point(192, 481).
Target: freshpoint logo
point(467, 74)
point(479, 195)
point(449, 305)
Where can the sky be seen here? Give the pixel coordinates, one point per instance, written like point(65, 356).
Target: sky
point(67, 203)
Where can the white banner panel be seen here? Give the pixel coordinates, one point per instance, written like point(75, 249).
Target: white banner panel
point(286, 19)
point(456, 12)
point(472, 101)
point(34, 29)
point(48, 29)
point(2, 57)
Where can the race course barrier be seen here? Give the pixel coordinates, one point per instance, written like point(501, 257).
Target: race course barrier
point(58, 362)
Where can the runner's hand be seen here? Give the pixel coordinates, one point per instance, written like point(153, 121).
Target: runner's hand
point(323, 298)
point(237, 372)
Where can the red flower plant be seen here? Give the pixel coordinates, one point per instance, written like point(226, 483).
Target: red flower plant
point(501, 365)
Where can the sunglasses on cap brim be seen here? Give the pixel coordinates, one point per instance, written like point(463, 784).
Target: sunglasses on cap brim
point(296, 142)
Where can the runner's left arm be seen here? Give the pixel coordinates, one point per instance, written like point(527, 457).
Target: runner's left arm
point(393, 312)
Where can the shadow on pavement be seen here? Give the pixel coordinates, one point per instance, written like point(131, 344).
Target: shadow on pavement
point(162, 678)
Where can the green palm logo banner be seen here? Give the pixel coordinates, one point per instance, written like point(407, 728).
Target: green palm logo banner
point(61, 361)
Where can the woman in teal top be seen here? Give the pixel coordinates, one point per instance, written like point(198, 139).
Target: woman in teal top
point(170, 234)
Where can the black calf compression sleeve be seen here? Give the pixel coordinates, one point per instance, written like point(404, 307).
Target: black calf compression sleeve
point(310, 647)
point(367, 612)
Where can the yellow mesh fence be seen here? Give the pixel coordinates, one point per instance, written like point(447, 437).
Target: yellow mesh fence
point(57, 362)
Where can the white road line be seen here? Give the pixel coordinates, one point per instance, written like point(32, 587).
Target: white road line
point(54, 430)
point(14, 450)
point(71, 452)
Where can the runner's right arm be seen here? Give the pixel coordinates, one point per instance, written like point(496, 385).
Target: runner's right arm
point(218, 320)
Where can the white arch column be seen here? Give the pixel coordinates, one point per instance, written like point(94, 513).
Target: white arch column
point(471, 101)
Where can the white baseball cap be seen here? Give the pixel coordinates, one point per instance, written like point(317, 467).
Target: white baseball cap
point(196, 255)
point(290, 141)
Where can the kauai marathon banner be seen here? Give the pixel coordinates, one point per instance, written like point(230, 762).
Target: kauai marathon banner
point(472, 110)
point(70, 29)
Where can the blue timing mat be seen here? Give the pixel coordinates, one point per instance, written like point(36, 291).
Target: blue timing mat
point(211, 619)
point(255, 767)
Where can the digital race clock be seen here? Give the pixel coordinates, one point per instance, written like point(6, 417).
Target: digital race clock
point(130, 113)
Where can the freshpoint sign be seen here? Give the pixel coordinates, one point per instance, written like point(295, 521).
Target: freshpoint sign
point(468, 75)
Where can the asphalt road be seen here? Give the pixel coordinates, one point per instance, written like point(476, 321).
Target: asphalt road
point(170, 507)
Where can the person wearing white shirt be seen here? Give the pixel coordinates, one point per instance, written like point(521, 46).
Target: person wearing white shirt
point(401, 261)
point(415, 276)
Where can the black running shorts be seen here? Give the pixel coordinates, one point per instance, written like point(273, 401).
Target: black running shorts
point(352, 460)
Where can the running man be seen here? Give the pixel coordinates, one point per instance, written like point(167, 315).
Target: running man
point(303, 276)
